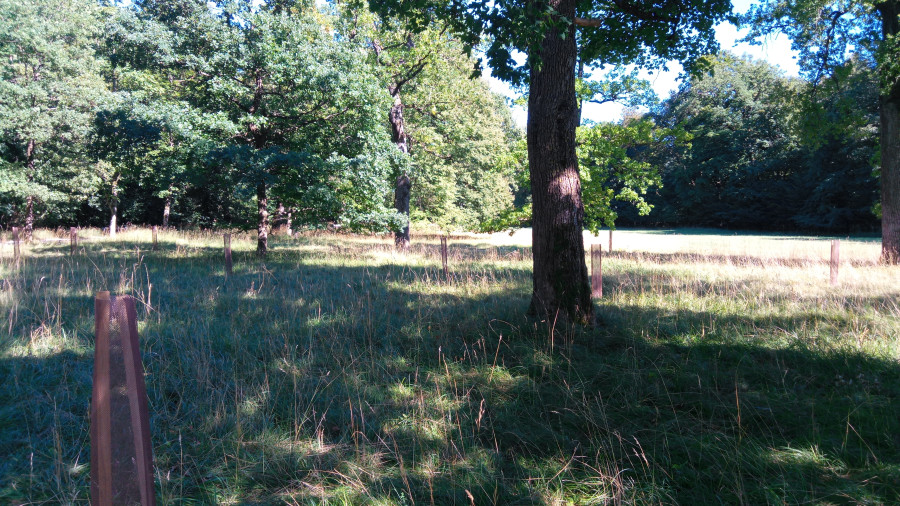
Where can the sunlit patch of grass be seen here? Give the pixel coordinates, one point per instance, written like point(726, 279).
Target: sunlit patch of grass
point(722, 368)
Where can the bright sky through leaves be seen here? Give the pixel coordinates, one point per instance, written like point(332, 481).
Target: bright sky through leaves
point(775, 50)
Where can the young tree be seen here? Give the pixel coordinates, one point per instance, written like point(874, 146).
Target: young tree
point(50, 85)
point(627, 31)
point(823, 31)
point(614, 167)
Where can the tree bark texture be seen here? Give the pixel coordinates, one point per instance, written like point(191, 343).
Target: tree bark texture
point(890, 148)
point(29, 218)
point(401, 204)
point(167, 209)
point(262, 229)
point(29, 200)
point(404, 185)
point(398, 125)
point(561, 286)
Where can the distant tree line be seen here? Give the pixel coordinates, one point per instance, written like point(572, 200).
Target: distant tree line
point(759, 150)
point(739, 146)
point(241, 114)
point(237, 114)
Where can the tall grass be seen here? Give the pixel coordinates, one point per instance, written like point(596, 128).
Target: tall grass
point(722, 368)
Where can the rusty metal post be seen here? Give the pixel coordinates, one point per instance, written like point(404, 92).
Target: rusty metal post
point(835, 260)
point(596, 271)
point(444, 254)
point(121, 452)
point(154, 238)
point(73, 240)
point(101, 446)
point(227, 255)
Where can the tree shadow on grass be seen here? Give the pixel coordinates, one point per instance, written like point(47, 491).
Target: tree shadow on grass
point(304, 380)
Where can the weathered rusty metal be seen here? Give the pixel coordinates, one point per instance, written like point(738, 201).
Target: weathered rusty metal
point(121, 451)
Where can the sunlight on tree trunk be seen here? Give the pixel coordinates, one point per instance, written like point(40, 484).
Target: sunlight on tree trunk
point(29, 200)
point(560, 285)
point(404, 185)
point(167, 209)
point(113, 207)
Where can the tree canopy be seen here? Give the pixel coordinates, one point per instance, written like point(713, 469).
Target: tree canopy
point(224, 114)
point(825, 32)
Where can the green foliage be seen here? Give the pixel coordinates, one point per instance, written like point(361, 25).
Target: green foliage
point(739, 115)
point(764, 153)
point(271, 93)
point(618, 85)
point(461, 151)
point(50, 86)
point(459, 132)
point(614, 167)
point(679, 30)
point(823, 32)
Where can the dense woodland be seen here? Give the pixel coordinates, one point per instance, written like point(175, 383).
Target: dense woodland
point(292, 115)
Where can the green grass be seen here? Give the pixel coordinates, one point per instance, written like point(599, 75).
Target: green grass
point(722, 369)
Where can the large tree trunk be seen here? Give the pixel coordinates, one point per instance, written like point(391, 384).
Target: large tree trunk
point(262, 229)
point(890, 148)
point(29, 200)
point(404, 185)
point(29, 218)
point(401, 204)
point(167, 208)
point(560, 284)
point(113, 205)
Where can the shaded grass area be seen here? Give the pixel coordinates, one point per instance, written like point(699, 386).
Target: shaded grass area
point(337, 371)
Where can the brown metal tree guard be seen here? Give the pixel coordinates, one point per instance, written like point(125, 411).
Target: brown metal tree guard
point(227, 255)
point(444, 257)
point(73, 239)
point(121, 454)
point(154, 238)
point(596, 271)
point(610, 240)
point(835, 260)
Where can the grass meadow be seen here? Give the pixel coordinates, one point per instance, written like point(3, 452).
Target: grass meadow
point(723, 369)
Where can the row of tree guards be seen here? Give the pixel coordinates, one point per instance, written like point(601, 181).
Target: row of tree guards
point(596, 256)
point(73, 241)
point(597, 265)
